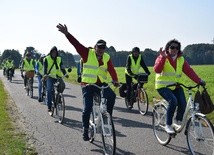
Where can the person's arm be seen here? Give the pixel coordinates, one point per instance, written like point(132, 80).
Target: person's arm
point(143, 65)
point(45, 65)
point(190, 72)
point(82, 50)
point(62, 68)
point(128, 66)
point(159, 64)
point(112, 71)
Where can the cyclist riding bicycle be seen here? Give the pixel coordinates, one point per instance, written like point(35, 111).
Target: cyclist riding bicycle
point(9, 66)
point(28, 64)
point(53, 68)
point(133, 63)
point(96, 65)
point(39, 72)
point(169, 66)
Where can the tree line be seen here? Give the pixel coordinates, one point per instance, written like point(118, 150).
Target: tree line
point(195, 54)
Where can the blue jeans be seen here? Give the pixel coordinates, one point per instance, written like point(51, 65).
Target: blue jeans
point(49, 85)
point(175, 98)
point(88, 92)
point(39, 85)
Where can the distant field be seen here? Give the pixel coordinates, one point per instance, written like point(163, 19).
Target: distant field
point(206, 72)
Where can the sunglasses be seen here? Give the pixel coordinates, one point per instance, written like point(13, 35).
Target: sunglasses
point(102, 47)
point(174, 47)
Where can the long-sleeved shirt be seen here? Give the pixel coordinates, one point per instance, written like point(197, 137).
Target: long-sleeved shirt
point(142, 64)
point(83, 52)
point(160, 61)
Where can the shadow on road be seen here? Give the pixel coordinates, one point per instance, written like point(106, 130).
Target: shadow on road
point(73, 108)
point(178, 149)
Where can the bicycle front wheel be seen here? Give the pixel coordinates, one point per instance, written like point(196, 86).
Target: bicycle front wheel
point(108, 134)
point(159, 123)
point(200, 135)
point(142, 101)
point(60, 108)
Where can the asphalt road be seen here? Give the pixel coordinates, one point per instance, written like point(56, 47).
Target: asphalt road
point(134, 132)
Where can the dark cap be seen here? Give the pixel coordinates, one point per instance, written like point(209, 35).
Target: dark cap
point(101, 43)
point(136, 49)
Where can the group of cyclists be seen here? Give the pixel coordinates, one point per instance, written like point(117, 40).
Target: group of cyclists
point(96, 63)
point(169, 66)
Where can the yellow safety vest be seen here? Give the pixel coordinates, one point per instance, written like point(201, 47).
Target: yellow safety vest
point(9, 64)
point(134, 66)
point(92, 70)
point(28, 66)
point(40, 69)
point(169, 75)
point(54, 72)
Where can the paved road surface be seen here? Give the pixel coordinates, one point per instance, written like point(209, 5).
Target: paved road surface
point(133, 132)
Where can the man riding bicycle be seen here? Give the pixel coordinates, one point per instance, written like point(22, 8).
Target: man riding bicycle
point(53, 68)
point(28, 64)
point(133, 63)
point(96, 65)
point(39, 73)
point(9, 67)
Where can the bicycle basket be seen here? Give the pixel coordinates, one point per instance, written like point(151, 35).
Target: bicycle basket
point(29, 74)
point(142, 78)
point(122, 90)
point(61, 86)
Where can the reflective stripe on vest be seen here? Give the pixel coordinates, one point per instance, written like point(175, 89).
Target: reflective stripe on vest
point(169, 75)
point(92, 70)
point(9, 64)
point(28, 66)
point(54, 72)
point(134, 66)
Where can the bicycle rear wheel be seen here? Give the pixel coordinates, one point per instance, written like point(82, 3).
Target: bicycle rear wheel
point(108, 134)
point(200, 135)
point(60, 107)
point(142, 101)
point(30, 86)
point(159, 123)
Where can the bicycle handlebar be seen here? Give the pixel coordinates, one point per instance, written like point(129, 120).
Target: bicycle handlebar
point(180, 84)
point(100, 87)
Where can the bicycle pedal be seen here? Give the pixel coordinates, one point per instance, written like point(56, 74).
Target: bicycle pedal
point(173, 135)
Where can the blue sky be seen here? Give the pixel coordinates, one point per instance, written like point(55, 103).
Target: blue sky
point(122, 23)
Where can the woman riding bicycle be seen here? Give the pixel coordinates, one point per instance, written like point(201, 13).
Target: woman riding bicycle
point(168, 67)
point(133, 64)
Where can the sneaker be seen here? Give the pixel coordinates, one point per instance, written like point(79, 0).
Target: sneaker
point(169, 129)
point(85, 135)
point(40, 99)
point(50, 112)
point(177, 123)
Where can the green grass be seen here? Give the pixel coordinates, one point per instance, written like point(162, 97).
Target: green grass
point(204, 71)
point(11, 141)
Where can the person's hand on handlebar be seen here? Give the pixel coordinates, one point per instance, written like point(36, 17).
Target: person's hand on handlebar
point(116, 83)
point(202, 83)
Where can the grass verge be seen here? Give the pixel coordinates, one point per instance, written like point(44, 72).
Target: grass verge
point(13, 140)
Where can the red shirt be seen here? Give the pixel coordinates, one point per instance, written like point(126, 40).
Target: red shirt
point(160, 61)
point(83, 52)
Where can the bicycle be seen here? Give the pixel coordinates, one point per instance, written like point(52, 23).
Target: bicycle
point(58, 101)
point(139, 95)
point(44, 93)
point(101, 122)
point(199, 130)
point(10, 74)
point(29, 85)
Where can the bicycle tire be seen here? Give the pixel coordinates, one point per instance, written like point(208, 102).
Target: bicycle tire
point(91, 130)
point(142, 102)
point(159, 123)
point(30, 86)
point(108, 135)
point(60, 108)
point(200, 136)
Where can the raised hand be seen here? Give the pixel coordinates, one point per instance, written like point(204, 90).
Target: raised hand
point(162, 52)
point(62, 28)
